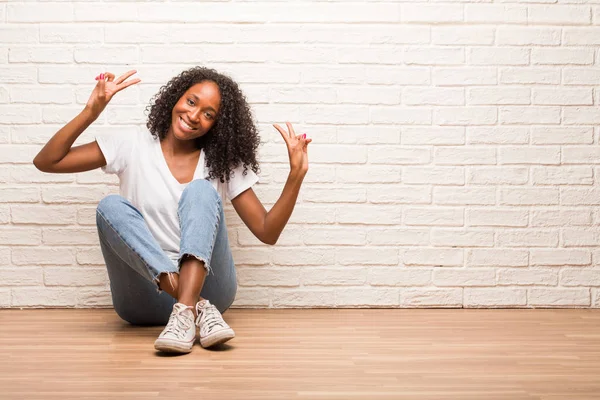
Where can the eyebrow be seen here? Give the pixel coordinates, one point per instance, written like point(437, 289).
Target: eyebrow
point(209, 107)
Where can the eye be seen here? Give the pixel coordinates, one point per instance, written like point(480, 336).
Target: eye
point(190, 102)
point(208, 115)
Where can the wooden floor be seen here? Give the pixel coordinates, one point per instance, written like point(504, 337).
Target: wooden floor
point(309, 354)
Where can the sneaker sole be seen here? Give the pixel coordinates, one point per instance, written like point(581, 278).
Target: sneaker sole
point(169, 346)
point(216, 338)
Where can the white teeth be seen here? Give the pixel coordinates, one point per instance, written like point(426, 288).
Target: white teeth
point(186, 125)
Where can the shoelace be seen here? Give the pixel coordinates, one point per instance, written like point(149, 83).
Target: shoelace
point(177, 324)
point(212, 317)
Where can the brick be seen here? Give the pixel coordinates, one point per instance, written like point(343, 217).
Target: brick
point(368, 174)
point(434, 216)
point(434, 56)
point(464, 76)
point(460, 196)
point(561, 56)
point(529, 36)
point(367, 214)
point(579, 197)
point(399, 194)
point(462, 35)
point(70, 236)
point(398, 155)
point(497, 135)
point(562, 217)
point(579, 277)
point(580, 238)
point(43, 215)
point(464, 277)
point(34, 54)
point(498, 56)
point(398, 236)
point(309, 256)
point(528, 276)
point(431, 297)
point(494, 297)
point(529, 115)
point(560, 257)
point(471, 155)
point(527, 238)
point(580, 155)
point(559, 14)
point(562, 135)
point(91, 256)
point(562, 176)
point(367, 297)
point(21, 276)
point(559, 297)
point(346, 276)
point(434, 175)
point(39, 12)
point(433, 13)
point(367, 256)
point(529, 155)
point(398, 276)
point(61, 276)
point(20, 114)
point(528, 196)
point(462, 238)
point(560, 96)
point(19, 194)
point(496, 217)
point(581, 36)
point(437, 257)
point(73, 194)
point(44, 296)
point(401, 115)
point(498, 96)
point(303, 298)
point(387, 75)
point(334, 194)
point(94, 298)
point(248, 297)
point(528, 75)
point(72, 33)
point(433, 96)
point(497, 258)
point(335, 236)
point(12, 235)
point(495, 13)
point(268, 276)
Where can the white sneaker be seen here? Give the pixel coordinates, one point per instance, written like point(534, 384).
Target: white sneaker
point(180, 333)
point(213, 330)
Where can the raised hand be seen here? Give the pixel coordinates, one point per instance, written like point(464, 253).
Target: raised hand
point(297, 146)
point(106, 88)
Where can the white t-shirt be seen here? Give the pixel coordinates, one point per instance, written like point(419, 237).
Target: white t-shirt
point(146, 181)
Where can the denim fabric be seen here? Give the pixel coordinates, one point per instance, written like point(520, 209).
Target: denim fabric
point(134, 259)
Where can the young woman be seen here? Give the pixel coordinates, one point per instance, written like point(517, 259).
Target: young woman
point(166, 230)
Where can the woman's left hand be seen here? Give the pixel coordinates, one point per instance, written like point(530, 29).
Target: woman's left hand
point(297, 146)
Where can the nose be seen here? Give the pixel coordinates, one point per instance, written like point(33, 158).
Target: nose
point(195, 115)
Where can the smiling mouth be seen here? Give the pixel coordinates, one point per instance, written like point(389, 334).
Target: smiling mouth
point(185, 126)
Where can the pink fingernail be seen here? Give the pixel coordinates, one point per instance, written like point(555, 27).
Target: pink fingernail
point(304, 136)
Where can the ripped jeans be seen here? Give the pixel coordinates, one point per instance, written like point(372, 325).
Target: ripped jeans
point(135, 261)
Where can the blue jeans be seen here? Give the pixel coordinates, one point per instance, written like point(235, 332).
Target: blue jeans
point(135, 261)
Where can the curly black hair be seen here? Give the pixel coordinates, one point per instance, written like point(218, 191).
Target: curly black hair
point(232, 140)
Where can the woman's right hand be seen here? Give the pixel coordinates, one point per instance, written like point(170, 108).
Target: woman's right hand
point(106, 88)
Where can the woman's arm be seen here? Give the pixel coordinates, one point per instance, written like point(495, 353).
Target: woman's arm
point(57, 155)
point(267, 226)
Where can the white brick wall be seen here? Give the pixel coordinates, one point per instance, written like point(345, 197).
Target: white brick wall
point(454, 162)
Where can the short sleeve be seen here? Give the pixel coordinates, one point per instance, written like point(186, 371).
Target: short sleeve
point(238, 182)
point(117, 149)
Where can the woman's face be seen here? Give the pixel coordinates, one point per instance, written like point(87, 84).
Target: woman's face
point(196, 111)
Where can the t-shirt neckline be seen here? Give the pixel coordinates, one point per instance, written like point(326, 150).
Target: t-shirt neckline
point(199, 166)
